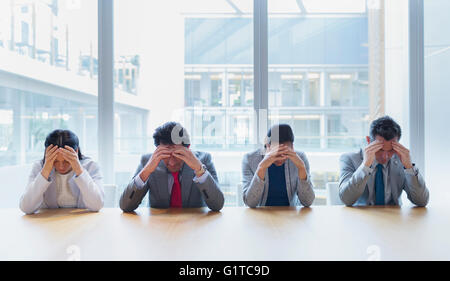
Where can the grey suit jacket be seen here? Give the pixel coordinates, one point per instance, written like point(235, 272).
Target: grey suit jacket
point(354, 182)
point(193, 195)
point(255, 190)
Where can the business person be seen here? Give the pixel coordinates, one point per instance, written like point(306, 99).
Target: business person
point(377, 174)
point(65, 178)
point(174, 175)
point(277, 175)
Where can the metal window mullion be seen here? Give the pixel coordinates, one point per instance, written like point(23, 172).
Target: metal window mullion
point(416, 83)
point(106, 89)
point(260, 66)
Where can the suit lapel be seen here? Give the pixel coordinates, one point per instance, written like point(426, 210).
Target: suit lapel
point(393, 176)
point(187, 174)
point(162, 183)
point(289, 171)
point(370, 185)
point(266, 178)
point(255, 160)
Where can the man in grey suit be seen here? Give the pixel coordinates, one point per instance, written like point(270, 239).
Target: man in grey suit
point(378, 174)
point(277, 175)
point(174, 175)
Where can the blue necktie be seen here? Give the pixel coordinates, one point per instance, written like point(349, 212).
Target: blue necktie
point(379, 186)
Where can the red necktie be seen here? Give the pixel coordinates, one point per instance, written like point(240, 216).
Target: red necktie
point(175, 197)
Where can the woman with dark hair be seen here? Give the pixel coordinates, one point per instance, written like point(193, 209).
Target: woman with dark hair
point(64, 178)
point(277, 175)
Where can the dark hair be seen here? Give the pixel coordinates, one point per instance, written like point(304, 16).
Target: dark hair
point(283, 131)
point(171, 133)
point(385, 127)
point(62, 138)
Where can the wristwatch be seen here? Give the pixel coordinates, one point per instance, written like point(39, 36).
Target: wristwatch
point(413, 168)
point(202, 170)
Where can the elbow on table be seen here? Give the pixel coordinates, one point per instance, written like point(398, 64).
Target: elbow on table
point(94, 204)
point(126, 207)
point(216, 208)
point(250, 203)
point(26, 208)
point(28, 211)
point(216, 204)
point(221, 203)
point(308, 203)
point(96, 207)
point(308, 200)
point(422, 203)
point(347, 202)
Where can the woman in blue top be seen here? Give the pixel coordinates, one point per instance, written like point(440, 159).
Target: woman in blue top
point(277, 175)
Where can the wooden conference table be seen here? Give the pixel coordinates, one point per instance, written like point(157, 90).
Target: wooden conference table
point(235, 233)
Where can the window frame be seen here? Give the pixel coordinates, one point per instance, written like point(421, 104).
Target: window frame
point(260, 67)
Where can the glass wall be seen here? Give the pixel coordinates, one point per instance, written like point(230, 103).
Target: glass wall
point(193, 63)
point(318, 79)
point(437, 99)
point(48, 80)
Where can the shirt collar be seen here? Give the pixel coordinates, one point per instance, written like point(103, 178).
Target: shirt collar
point(273, 166)
point(375, 163)
point(169, 172)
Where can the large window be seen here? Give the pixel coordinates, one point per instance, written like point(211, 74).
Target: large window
point(318, 79)
point(332, 66)
point(437, 99)
point(48, 80)
point(193, 63)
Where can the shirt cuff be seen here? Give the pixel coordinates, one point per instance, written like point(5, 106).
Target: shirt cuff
point(41, 178)
point(258, 180)
point(305, 180)
point(411, 171)
point(43, 181)
point(81, 175)
point(367, 170)
point(138, 182)
point(202, 178)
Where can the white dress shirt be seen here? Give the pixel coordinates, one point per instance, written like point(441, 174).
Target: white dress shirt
point(372, 170)
point(64, 195)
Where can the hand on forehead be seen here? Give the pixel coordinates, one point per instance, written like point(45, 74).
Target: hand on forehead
point(387, 145)
point(276, 145)
point(60, 157)
point(172, 147)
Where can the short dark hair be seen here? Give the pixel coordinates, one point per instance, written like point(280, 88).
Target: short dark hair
point(163, 134)
point(385, 127)
point(62, 138)
point(284, 132)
